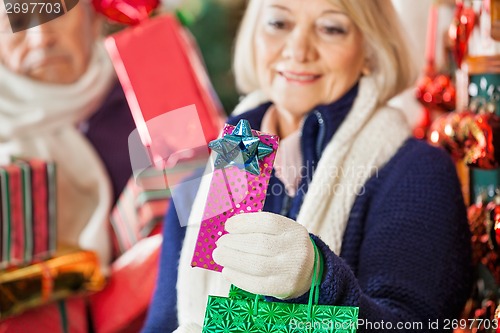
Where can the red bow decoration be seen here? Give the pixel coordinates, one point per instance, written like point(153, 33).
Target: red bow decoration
point(130, 12)
point(460, 30)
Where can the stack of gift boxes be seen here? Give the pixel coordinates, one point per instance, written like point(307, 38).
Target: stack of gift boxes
point(176, 113)
point(33, 271)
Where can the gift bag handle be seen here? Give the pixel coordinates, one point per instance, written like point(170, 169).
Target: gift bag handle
point(315, 283)
point(316, 280)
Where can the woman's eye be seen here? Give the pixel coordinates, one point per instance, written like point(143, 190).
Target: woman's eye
point(332, 30)
point(278, 25)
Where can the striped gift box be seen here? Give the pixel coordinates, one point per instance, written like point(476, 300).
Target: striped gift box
point(141, 207)
point(138, 212)
point(27, 212)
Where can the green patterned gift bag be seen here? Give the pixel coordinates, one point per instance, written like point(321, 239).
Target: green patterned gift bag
point(246, 312)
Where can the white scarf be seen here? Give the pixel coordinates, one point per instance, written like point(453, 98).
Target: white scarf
point(367, 139)
point(39, 120)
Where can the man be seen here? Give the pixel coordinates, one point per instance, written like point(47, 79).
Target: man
point(60, 101)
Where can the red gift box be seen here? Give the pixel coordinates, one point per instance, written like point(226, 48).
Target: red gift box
point(122, 305)
point(161, 72)
point(68, 316)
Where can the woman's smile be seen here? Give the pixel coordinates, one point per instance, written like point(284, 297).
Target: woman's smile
point(300, 78)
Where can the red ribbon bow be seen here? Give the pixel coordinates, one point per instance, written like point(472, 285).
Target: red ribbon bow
point(129, 12)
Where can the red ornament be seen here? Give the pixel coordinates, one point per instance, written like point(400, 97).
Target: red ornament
point(460, 30)
point(484, 244)
point(436, 92)
point(477, 216)
point(495, 217)
point(130, 12)
point(450, 132)
point(485, 313)
point(480, 150)
point(420, 131)
point(497, 318)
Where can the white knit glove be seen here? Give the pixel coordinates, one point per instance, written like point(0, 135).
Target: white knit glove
point(189, 328)
point(266, 254)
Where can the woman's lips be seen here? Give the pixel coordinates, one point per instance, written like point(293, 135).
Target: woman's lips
point(301, 78)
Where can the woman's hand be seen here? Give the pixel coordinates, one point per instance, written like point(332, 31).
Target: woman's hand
point(266, 254)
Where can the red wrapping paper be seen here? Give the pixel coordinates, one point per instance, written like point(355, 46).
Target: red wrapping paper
point(126, 297)
point(47, 319)
point(27, 212)
point(159, 68)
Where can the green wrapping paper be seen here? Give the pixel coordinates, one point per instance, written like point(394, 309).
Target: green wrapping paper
point(246, 312)
point(237, 315)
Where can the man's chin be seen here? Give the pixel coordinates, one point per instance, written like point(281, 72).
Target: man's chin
point(53, 76)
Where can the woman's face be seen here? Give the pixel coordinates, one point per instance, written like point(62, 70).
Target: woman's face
point(307, 53)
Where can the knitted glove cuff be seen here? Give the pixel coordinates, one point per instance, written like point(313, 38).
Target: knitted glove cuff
point(339, 286)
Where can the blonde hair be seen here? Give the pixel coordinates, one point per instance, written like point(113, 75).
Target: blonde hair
point(387, 52)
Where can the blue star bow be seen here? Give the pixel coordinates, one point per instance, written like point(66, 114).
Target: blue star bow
point(240, 149)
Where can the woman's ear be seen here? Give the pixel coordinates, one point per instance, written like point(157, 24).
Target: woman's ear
point(366, 70)
point(368, 64)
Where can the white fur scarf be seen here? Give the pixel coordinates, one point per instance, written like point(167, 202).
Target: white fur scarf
point(39, 120)
point(366, 140)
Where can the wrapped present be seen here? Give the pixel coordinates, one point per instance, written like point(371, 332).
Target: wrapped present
point(13, 215)
point(164, 81)
point(121, 306)
point(28, 212)
point(44, 205)
point(68, 316)
point(140, 210)
point(239, 183)
point(63, 276)
point(137, 214)
point(246, 312)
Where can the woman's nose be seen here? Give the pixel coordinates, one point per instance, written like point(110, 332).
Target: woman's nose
point(300, 46)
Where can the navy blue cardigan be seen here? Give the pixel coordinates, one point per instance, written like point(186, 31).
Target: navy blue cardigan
point(405, 254)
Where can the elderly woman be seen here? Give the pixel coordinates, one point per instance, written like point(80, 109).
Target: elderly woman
point(385, 210)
